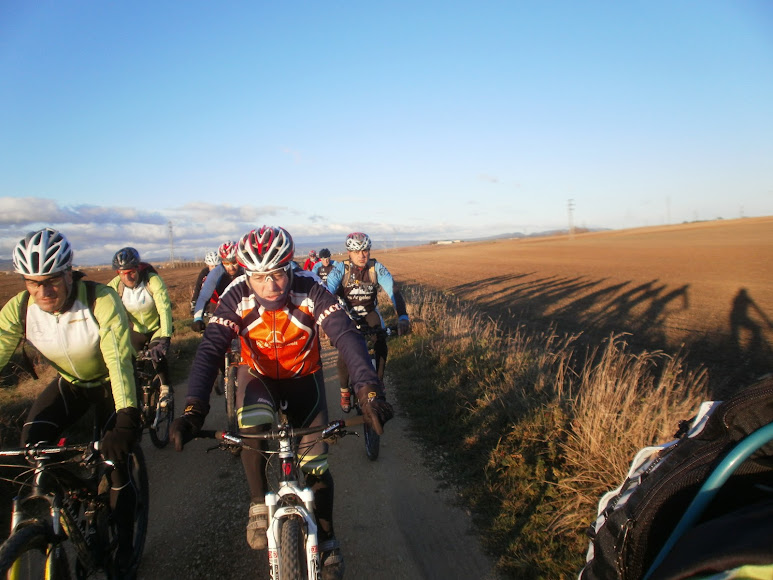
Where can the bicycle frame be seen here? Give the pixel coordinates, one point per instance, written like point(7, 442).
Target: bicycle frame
point(153, 415)
point(290, 499)
point(51, 483)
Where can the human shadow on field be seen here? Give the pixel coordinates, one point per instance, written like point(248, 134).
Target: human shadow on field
point(742, 322)
point(580, 305)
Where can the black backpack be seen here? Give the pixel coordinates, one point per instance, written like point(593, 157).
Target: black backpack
point(636, 520)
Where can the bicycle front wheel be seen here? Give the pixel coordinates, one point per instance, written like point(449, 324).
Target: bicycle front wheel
point(372, 440)
point(138, 479)
point(292, 550)
point(31, 554)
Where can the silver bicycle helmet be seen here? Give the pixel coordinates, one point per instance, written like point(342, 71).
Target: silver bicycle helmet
point(211, 259)
point(266, 249)
point(42, 253)
point(126, 259)
point(357, 241)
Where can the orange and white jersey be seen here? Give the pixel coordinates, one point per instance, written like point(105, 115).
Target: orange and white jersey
point(282, 343)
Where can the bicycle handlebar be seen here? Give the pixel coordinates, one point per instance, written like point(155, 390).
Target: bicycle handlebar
point(283, 431)
point(38, 449)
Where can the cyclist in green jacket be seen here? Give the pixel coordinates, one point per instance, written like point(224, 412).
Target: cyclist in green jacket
point(81, 329)
point(146, 300)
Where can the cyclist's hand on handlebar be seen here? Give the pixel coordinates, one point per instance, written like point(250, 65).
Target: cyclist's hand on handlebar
point(119, 440)
point(198, 326)
point(188, 425)
point(403, 327)
point(375, 408)
point(158, 348)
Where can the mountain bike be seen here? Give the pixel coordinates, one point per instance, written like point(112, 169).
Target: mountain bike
point(371, 334)
point(61, 525)
point(155, 417)
point(293, 548)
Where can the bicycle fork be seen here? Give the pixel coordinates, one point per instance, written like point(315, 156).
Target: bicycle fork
point(279, 511)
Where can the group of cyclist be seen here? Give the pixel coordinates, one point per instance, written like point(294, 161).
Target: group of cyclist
point(89, 333)
point(254, 291)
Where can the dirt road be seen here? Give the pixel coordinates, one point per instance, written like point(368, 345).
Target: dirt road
point(392, 518)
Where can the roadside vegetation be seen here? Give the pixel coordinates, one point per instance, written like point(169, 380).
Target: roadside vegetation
point(530, 426)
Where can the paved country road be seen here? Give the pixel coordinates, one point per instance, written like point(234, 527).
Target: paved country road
point(391, 517)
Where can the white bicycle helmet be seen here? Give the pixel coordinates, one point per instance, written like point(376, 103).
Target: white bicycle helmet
point(357, 241)
point(266, 249)
point(227, 251)
point(42, 253)
point(211, 259)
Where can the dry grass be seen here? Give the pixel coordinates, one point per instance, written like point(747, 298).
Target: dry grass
point(531, 431)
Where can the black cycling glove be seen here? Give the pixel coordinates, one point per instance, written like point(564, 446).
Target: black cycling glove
point(158, 348)
point(188, 425)
point(198, 326)
point(375, 408)
point(119, 440)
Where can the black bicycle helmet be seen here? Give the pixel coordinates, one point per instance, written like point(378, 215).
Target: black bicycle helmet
point(324, 253)
point(126, 259)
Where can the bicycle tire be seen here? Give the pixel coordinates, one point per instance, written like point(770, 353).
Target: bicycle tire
point(292, 550)
point(138, 477)
point(159, 435)
point(230, 400)
point(372, 442)
point(29, 554)
point(230, 405)
point(219, 385)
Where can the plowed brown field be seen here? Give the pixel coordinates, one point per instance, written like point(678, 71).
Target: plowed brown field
point(706, 285)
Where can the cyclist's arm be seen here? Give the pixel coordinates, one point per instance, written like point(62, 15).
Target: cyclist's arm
point(221, 330)
point(335, 277)
point(115, 345)
point(163, 306)
point(199, 281)
point(207, 290)
point(385, 280)
point(344, 335)
point(10, 328)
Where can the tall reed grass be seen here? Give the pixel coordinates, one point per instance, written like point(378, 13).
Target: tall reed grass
point(532, 426)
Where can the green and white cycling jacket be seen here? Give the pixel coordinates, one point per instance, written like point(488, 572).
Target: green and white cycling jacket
point(148, 305)
point(86, 349)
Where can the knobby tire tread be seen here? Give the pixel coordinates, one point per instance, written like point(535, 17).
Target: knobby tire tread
point(35, 536)
point(292, 560)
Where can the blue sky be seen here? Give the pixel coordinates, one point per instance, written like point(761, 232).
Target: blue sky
point(406, 120)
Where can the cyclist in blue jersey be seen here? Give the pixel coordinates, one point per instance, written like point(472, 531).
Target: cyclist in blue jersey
point(216, 283)
point(82, 330)
point(357, 281)
point(325, 265)
point(211, 259)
